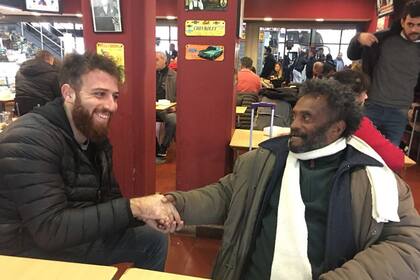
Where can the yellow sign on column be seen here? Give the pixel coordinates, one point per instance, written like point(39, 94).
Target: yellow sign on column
point(114, 51)
point(205, 28)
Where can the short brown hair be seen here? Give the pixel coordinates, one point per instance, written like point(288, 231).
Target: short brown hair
point(44, 55)
point(411, 8)
point(76, 65)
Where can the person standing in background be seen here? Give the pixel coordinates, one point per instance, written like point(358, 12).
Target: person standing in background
point(391, 58)
point(269, 62)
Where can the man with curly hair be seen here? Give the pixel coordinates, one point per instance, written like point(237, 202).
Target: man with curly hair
point(319, 204)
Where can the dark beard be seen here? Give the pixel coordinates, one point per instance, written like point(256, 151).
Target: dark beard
point(85, 124)
point(311, 142)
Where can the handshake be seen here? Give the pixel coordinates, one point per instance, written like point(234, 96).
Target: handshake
point(157, 211)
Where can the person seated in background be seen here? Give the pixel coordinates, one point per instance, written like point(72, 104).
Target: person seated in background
point(277, 73)
point(59, 198)
point(318, 70)
point(36, 82)
point(165, 89)
point(319, 204)
point(248, 81)
point(392, 155)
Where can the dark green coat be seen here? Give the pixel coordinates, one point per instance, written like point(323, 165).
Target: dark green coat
point(385, 251)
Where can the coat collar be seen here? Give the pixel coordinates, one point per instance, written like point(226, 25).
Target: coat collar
point(353, 157)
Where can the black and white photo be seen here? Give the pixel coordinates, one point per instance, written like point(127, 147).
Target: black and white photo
point(106, 15)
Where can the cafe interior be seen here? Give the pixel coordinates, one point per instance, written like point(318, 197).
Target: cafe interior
point(212, 129)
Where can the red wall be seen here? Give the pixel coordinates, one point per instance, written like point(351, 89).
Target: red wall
point(133, 126)
point(205, 104)
point(72, 6)
point(328, 9)
point(166, 7)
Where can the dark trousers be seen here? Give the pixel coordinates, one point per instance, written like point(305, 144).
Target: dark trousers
point(142, 245)
point(390, 122)
point(170, 128)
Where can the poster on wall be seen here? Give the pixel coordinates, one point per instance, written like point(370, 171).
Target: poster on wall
point(206, 5)
point(112, 50)
point(106, 15)
point(43, 6)
point(384, 7)
point(205, 28)
point(204, 52)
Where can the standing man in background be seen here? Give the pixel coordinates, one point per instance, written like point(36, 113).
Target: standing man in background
point(36, 82)
point(165, 89)
point(269, 62)
point(392, 59)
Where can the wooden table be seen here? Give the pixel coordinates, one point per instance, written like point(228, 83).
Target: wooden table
point(138, 274)
point(17, 268)
point(160, 107)
point(240, 139)
point(408, 161)
point(240, 110)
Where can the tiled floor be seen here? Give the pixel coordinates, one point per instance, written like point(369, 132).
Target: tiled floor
point(195, 256)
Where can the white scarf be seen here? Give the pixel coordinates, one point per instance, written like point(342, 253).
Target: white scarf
point(290, 259)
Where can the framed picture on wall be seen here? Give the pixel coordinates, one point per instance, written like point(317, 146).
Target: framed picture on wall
point(384, 7)
point(206, 5)
point(106, 15)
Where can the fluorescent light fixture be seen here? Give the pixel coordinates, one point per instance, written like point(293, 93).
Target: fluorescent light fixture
point(11, 9)
point(79, 15)
point(170, 17)
point(319, 19)
point(268, 19)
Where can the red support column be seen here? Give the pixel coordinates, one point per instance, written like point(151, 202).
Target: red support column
point(133, 126)
point(205, 102)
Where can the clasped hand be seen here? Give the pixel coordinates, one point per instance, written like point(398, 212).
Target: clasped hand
point(157, 211)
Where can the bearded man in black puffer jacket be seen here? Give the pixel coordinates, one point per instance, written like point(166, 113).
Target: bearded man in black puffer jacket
point(58, 196)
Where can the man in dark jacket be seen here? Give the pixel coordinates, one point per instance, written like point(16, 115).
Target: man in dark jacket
point(269, 62)
point(36, 82)
point(165, 89)
point(317, 205)
point(392, 60)
point(58, 195)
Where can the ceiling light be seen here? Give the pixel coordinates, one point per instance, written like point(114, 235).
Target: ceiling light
point(9, 8)
point(170, 17)
point(79, 15)
point(268, 19)
point(319, 19)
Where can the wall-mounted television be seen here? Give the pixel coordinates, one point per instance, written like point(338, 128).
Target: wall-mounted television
point(48, 6)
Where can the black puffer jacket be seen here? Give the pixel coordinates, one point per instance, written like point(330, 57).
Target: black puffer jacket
point(36, 83)
point(51, 195)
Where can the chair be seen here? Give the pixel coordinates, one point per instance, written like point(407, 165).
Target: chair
point(245, 99)
point(415, 129)
point(282, 113)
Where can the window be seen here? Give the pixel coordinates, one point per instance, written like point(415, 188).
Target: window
point(165, 35)
point(284, 41)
